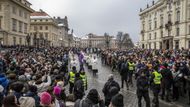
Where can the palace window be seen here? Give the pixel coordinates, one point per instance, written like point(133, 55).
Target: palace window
point(14, 25)
point(155, 35)
point(162, 34)
point(14, 10)
point(176, 44)
point(20, 13)
point(162, 21)
point(169, 17)
point(14, 40)
point(20, 41)
point(25, 27)
point(155, 24)
point(150, 26)
point(177, 31)
point(20, 26)
point(46, 27)
point(189, 43)
point(150, 36)
point(178, 15)
point(41, 27)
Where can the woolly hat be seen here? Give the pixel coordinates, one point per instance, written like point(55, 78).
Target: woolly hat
point(60, 84)
point(22, 78)
point(117, 100)
point(56, 90)
point(45, 99)
point(27, 102)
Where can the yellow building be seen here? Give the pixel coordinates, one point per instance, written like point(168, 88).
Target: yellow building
point(44, 30)
point(14, 21)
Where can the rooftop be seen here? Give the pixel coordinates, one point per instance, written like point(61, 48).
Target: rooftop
point(40, 15)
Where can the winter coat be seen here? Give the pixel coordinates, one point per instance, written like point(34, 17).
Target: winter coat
point(44, 85)
point(35, 96)
point(88, 103)
point(4, 81)
point(78, 89)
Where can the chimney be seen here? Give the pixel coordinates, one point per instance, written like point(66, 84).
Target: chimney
point(140, 9)
point(153, 2)
point(147, 6)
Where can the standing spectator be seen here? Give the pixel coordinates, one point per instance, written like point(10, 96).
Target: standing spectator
point(78, 87)
point(27, 102)
point(107, 89)
point(124, 74)
point(117, 101)
point(33, 93)
point(142, 89)
point(71, 79)
point(46, 100)
point(10, 101)
point(92, 100)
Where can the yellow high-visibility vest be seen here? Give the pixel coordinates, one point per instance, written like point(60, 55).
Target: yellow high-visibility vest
point(131, 66)
point(72, 77)
point(84, 79)
point(157, 77)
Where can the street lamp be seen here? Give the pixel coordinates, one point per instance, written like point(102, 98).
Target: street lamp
point(28, 39)
point(107, 40)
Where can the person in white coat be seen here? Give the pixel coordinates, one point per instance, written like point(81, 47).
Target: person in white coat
point(94, 65)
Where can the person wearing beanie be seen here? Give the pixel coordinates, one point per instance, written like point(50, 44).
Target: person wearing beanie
point(107, 88)
point(33, 93)
point(45, 99)
point(59, 102)
point(91, 100)
point(23, 79)
point(42, 86)
point(117, 101)
point(27, 102)
point(78, 87)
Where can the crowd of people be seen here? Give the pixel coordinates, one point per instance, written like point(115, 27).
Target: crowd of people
point(165, 72)
point(38, 77)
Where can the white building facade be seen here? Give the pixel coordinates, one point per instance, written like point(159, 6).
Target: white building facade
point(165, 25)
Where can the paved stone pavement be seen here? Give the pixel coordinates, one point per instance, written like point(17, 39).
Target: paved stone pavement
point(130, 98)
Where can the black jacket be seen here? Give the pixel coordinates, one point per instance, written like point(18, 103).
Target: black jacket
point(78, 88)
point(88, 103)
point(142, 84)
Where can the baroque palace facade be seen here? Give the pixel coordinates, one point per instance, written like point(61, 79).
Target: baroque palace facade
point(14, 21)
point(165, 25)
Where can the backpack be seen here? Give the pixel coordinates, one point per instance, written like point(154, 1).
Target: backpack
point(112, 84)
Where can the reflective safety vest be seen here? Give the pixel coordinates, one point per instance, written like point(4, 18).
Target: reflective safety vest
point(157, 77)
point(84, 79)
point(72, 77)
point(131, 66)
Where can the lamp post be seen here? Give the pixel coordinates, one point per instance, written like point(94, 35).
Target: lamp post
point(107, 40)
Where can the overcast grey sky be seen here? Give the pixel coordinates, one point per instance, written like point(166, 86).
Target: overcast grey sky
point(97, 16)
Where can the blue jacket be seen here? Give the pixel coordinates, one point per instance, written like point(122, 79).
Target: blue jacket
point(4, 81)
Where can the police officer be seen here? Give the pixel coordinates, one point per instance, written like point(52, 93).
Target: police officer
point(156, 81)
point(84, 79)
point(72, 79)
point(131, 68)
point(142, 88)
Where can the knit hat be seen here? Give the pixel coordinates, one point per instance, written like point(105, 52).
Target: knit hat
point(93, 96)
point(45, 99)
point(27, 102)
point(117, 100)
point(1, 88)
point(56, 90)
point(60, 84)
point(22, 78)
